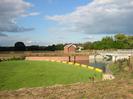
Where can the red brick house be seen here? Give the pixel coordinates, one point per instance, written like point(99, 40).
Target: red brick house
point(70, 48)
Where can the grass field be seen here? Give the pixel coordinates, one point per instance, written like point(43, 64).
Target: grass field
point(119, 88)
point(27, 74)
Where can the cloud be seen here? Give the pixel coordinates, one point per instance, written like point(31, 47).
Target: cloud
point(10, 11)
point(30, 14)
point(12, 39)
point(98, 16)
point(88, 38)
point(2, 35)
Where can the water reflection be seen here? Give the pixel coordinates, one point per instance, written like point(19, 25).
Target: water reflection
point(100, 63)
point(97, 62)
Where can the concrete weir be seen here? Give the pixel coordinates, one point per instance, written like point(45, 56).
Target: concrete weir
point(116, 55)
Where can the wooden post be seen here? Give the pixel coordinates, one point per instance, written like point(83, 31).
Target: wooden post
point(115, 59)
point(130, 64)
point(104, 69)
point(69, 58)
point(89, 60)
point(74, 59)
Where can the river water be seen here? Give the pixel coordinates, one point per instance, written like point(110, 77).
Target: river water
point(96, 62)
point(100, 63)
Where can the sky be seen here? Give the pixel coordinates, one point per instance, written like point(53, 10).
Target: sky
point(46, 22)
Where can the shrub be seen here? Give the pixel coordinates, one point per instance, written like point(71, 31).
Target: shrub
point(119, 66)
point(13, 58)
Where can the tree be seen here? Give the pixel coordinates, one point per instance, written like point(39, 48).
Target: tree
point(87, 45)
point(50, 48)
point(121, 37)
point(19, 46)
point(119, 41)
point(107, 42)
point(59, 47)
point(33, 47)
point(122, 41)
point(130, 41)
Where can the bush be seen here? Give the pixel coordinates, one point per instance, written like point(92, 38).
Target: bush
point(13, 58)
point(18, 58)
point(114, 68)
point(119, 66)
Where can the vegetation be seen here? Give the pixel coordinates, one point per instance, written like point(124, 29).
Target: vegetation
point(12, 58)
point(19, 46)
point(119, 66)
point(119, 88)
point(122, 66)
point(119, 41)
point(20, 74)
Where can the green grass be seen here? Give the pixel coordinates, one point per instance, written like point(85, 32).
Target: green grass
point(26, 74)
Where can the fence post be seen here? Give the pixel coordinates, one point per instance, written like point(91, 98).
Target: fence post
point(69, 58)
point(130, 64)
point(74, 59)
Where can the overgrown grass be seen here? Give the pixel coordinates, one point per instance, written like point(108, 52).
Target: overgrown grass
point(25, 74)
point(120, 66)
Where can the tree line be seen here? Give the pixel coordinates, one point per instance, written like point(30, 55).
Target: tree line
point(20, 46)
point(119, 41)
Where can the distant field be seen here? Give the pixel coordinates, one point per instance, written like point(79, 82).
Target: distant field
point(25, 74)
point(6, 54)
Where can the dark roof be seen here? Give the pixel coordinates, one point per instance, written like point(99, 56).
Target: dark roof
point(69, 45)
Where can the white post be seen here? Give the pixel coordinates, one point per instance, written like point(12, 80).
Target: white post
point(114, 58)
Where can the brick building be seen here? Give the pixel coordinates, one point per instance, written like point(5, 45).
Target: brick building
point(70, 48)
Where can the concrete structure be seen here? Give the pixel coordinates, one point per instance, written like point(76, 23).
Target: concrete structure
point(108, 77)
point(116, 55)
point(70, 48)
point(80, 48)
